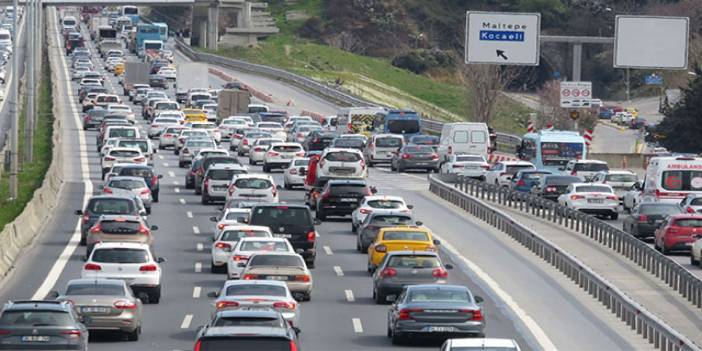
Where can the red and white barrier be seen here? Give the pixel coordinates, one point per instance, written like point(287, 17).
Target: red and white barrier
point(588, 137)
point(530, 127)
point(495, 157)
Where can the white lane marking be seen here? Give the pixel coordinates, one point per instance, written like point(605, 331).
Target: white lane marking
point(338, 271)
point(196, 292)
point(58, 267)
point(177, 190)
point(196, 229)
point(182, 201)
point(349, 295)
point(160, 157)
point(186, 321)
point(171, 174)
point(165, 164)
point(175, 182)
point(474, 270)
point(357, 326)
point(198, 267)
point(328, 250)
point(189, 214)
point(200, 247)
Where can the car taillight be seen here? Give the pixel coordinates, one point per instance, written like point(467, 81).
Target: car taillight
point(551, 189)
point(284, 304)
point(388, 273)
point(643, 218)
point(154, 126)
point(5, 332)
point(274, 191)
point(124, 305)
point(240, 258)
point(92, 267)
point(521, 182)
point(72, 334)
point(293, 347)
point(302, 278)
point(273, 153)
point(573, 173)
point(167, 135)
point(405, 313)
point(144, 230)
point(690, 210)
point(431, 248)
point(380, 248)
point(259, 149)
point(205, 184)
point(223, 246)
point(485, 167)
point(612, 197)
point(198, 344)
point(226, 304)
point(238, 136)
point(181, 139)
point(145, 191)
point(139, 159)
point(434, 156)
point(87, 118)
point(477, 314)
point(96, 229)
point(300, 154)
point(245, 142)
point(107, 190)
point(405, 156)
point(576, 197)
point(439, 273)
point(366, 211)
point(311, 235)
point(293, 171)
point(109, 158)
point(250, 276)
point(148, 268)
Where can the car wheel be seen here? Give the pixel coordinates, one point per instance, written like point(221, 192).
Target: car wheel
point(307, 297)
point(266, 168)
point(693, 261)
point(160, 147)
point(320, 214)
point(400, 169)
point(379, 298)
point(359, 248)
point(148, 210)
point(155, 196)
point(133, 335)
point(371, 164)
point(215, 269)
point(397, 339)
point(205, 199)
point(664, 250)
point(310, 264)
point(354, 228)
point(389, 333)
point(181, 164)
point(287, 186)
point(155, 295)
point(82, 240)
point(614, 216)
point(198, 191)
point(239, 153)
point(189, 185)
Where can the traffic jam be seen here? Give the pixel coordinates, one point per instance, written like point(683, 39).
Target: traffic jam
point(267, 180)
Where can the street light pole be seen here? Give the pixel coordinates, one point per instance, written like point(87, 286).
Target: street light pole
point(14, 91)
point(29, 117)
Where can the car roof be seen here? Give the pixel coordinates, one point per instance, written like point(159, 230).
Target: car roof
point(483, 343)
point(229, 283)
point(618, 171)
point(437, 287)
point(412, 253)
point(264, 239)
point(226, 166)
point(140, 179)
point(246, 332)
point(59, 306)
point(589, 161)
point(279, 205)
point(103, 281)
point(121, 245)
point(249, 227)
point(384, 197)
point(340, 149)
point(347, 181)
point(589, 184)
point(406, 228)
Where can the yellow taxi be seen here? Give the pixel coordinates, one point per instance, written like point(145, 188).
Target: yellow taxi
point(119, 69)
point(194, 115)
point(400, 238)
point(634, 111)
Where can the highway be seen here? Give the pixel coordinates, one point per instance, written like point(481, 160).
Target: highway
point(525, 299)
point(5, 108)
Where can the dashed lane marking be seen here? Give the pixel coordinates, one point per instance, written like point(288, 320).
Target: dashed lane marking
point(186, 321)
point(357, 326)
point(198, 267)
point(196, 229)
point(349, 295)
point(189, 214)
point(196, 292)
point(338, 271)
point(328, 250)
point(182, 201)
point(200, 247)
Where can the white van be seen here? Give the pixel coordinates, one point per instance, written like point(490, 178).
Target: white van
point(5, 37)
point(382, 147)
point(464, 138)
point(670, 179)
point(356, 120)
point(69, 24)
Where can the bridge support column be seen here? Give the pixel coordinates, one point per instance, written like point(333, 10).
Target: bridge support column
point(202, 34)
point(212, 26)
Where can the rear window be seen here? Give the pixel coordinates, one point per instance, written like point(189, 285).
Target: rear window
point(239, 217)
point(513, 169)
point(402, 235)
point(253, 183)
point(255, 290)
point(591, 167)
point(562, 180)
point(415, 262)
point(136, 172)
point(349, 142)
point(264, 246)
point(276, 261)
point(592, 189)
point(173, 130)
point(257, 135)
point(342, 156)
point(392, 220)
point(417, 149)
point(119, 255)
point(688, 222)
point(128, 184)
point(33, 318)
point(388, 142)
point(439, 295)
point(95, 290)
point(469, 159)
point(124, 153)
point(425, 140)
point(111, 206)
point(282, 216)
point(236, 235)
point(223, 174)
point(219, 160)
point(166, 106)
point(137, 144)
point(659, 209)
point(122, 133)
point(228, 343)
point(342, 189)
point(287, 148)
point(622, 178)
point(204, 126)
point(385, 204)
point(119, 227)
point(200, 144)
point(249, 321)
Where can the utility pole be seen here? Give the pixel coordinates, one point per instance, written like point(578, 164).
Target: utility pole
point(14, 91)
point(29, 118)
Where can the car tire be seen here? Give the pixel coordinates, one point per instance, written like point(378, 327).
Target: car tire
point(614, 216)
point(134, 335)
point(205, 199)
point(82, 240)
point(198, 191)
point(371, 164)
point(239, 153)
point(266, 168)
point(309, 264)
point(217, 270)
point(155, 196)
point(359, 247)
point(389, 333)
point(160, 147)
point(176, 151)
point(287, 186)
point(664, 250)
point(379, 298)
point(400, 169)
point(397, 339)
point(189, 185)
point(693, 261)
point(155, 295)
point(181, 164)
point(148, 210)
point(307, 297)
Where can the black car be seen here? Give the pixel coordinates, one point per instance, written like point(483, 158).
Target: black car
point(348, 142)
point(371, 225)
point(105, 205)
point(645, 218)
point(235, 86)
point(208, 161)
point(293, 222)
point(190, 174)
point(158, 81)
point(318, 140)
point(552, 186)
point(83, 91)
point(41, 325)
point(415, 157)
point(247, 330)
point(430, 140)
point(340, 197)
point(146, 172)
point(274, 116)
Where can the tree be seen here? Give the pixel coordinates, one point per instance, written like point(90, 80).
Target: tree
point(485, 84)
point(681, 128)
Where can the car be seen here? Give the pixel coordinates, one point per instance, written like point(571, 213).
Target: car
point(144, 145)
point(381, 148)
point(132, 262)
point(93, 118)
point(294, 172)
point(168, 72)
point(399, 238)
point(210, 127)
point(429, 140)
point(189, 134)
point(237, 136)
point(279, 155)
point(159, 124)
point(169, 136)
point(282, 266)
point(158, 81)
point(258, 187)
point(585, 169)
point(290, 221)
point(247, 330)
point(696, 252)
point(210, 111)
point(645, 218)
point(207, 161)
point(692, 203)
point(103, 100)
point(119, 228)
point(260, 147)
point(402, 268)
point(340, 197)
point(108, 304)
point(32, 324)
point(621, 181)
point(597, 199)
point(248, 246)
point(501, 173)
point(318, 140)
point(99, 205)
point(229, 125)
point(480, 344)
point(248, 139)
point(368, 230)
point(415, 157)
point(350, 141)
point(677, 233)
point(191, 147)
point(136, 185)
point(216, 181)
point(523, 181)
point(258, 295)
point(229, 216)
point(435, 309)
point(378, 204)
point(341, 163)
point(552, 186)
point(633, 196)
point(116, 131)
point(122, 155)
point(467, 165)
point(299, 132)
point(227, 239)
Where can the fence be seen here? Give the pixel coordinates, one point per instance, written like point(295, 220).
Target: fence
point(468, 195)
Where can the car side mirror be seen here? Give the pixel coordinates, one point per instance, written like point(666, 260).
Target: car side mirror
point(317, 221)
point(78, 212)
point(245, 220)
point(448, 266)
point(409, 207)
point(373, 190)
point(214, 219)
point(142, 213)
point(154, 227)
point(479, 299)
point(437, 242)
point(160, 176)
point(53, 294)
point(161, 260)
point(213, 294)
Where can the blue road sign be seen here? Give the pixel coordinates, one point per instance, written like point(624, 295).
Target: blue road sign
point(653, 79)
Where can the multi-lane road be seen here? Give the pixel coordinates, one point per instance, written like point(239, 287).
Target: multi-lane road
point(525, 299)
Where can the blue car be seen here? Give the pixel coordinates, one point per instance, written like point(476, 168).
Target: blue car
point(523, 181)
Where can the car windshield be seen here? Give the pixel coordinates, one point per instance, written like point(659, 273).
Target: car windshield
point(256, 290)
point(111, 206)
point(342, 156)
point(469, 158)
point(592, 189)
point(388, 142)
point(236, 235)
point(385, 204)
point(95, 289)
point(124, 153)
point(269, 125)
point(392, 220)
point(591, 167)
point(223, 174)
point(696, 201)
point(120, 255)
point(204, 126)
point(622, 178)
point(533, 175)
point(448, 295)
point(129, 184)
point(249, 321)
point(237, 216)
point(405, 235)
point(253, 183)
point(403, 126)
point(36, 318)
point(415, 262)
point(276, 261)
point(688, 222)
point(659, 209)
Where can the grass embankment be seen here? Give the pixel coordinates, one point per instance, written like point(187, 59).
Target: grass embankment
point(375, 79)
point(32, 174)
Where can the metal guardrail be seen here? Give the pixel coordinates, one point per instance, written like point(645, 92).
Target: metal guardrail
point(507, 141)
point(469, 195)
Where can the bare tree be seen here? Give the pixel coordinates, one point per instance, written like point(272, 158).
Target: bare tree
point(346, 41)
point(485, 84)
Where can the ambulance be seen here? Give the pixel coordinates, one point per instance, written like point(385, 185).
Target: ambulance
point(670, 179)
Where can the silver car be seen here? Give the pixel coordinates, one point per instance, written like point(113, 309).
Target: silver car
point(402, 268)
point(216, 181)
point(136, 185)
point(53, 325)
point(191, 148)
point(292, 175)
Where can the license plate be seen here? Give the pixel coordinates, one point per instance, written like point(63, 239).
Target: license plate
point(277, 277)
point(286, 236)
point(441, 329)
point(287, 156)
point(349, 200)
point(35, 338)
point(94, 310)
point(595, 201)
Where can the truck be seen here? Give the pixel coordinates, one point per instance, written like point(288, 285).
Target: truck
point(106, 32)
point(109, 44)
point(134, 73)
point(189, 76)
point(232, 102)
point(95, 23)
point(145, 31)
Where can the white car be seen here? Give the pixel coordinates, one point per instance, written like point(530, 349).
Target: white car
point(131, 262)
point(108, 145)
point(122, 155)
point(585, 169)
point(276, 130)
point(259, 149)
point(230, 216)
point(179, 115)
point(159, 124)
point(216, 181)
point(228, 237)
point(279, 155)
point(168, 72)
point(253, 187)
point(192, 147)
point(229, 125)
point(696, 252)
point(119, 109)
point(256, 108)
point(597, 199)
point(341, 163)
point(378, 204)
point(300, 132)
point(692, 203)
point(187, 133)
point(292, 175)
point(620, 181)
point(479, 344)
point(255, 294)
point(209, 127)
point(469, 165)
point(210, 111)
point(79, 71)
point(169, 136)
point(501, 173)
point(249, 246)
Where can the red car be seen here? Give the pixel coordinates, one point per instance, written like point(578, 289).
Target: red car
point(678, 232)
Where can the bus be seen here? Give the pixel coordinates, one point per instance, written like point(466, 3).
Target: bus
point(132, 12)
point(122, 21)
point(145, 31)
point(551, 150)
point(162, 30)
point(404, 122)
